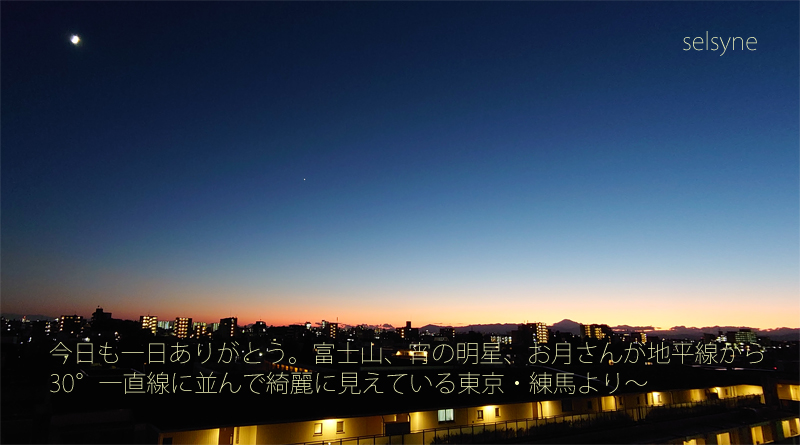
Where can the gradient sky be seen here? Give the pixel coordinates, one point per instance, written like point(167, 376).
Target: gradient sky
point(444, 163)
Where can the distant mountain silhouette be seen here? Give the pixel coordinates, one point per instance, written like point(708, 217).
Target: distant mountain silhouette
point(629, 328)
point(503, 328)
point(10, 316)
point(693, 333)
point(573, 327)
point(567, 325)
point(497, 328)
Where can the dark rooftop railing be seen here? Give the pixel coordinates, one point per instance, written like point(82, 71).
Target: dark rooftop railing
point(509, 430)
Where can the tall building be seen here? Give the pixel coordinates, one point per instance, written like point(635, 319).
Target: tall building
point(259, 328)
point(43, 328)
point(640, 337)
point(448, 332)
point(596, 331)
point(227, 327)
point(333, 329)
point(542, 333)
point(70, 324)
point(149, 322)
point(329, 329)
point(181, 327)
point(531, 333)
point(200, 329)
point(99, 315)
point(743, 336)
point(407, 332)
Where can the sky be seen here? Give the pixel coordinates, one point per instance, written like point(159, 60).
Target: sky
point(448, 163)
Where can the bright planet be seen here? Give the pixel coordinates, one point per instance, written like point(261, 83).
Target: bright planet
point(75, 39)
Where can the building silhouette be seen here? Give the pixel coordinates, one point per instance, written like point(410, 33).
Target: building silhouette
point(70, 325)
point(408, 333)
point(182, 327)
point(228, 327)
point(149, 322)
point(596, 331)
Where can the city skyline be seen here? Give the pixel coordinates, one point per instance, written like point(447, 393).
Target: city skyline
point(451, 164)
point(566, 323)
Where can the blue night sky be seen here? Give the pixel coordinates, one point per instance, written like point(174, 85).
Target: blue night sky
point(435, 162)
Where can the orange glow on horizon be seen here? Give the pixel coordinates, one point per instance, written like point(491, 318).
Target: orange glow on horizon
point(661, 309)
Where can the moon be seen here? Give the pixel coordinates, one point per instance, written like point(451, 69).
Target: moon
point(75, 39)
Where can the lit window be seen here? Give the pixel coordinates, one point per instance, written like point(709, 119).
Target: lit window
point(317, 429)
point(446, 415)
point(724, 439)
point(497, 412)
point(790, 427)
point(480, 414)
point(340, 426)
point(757, 434)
